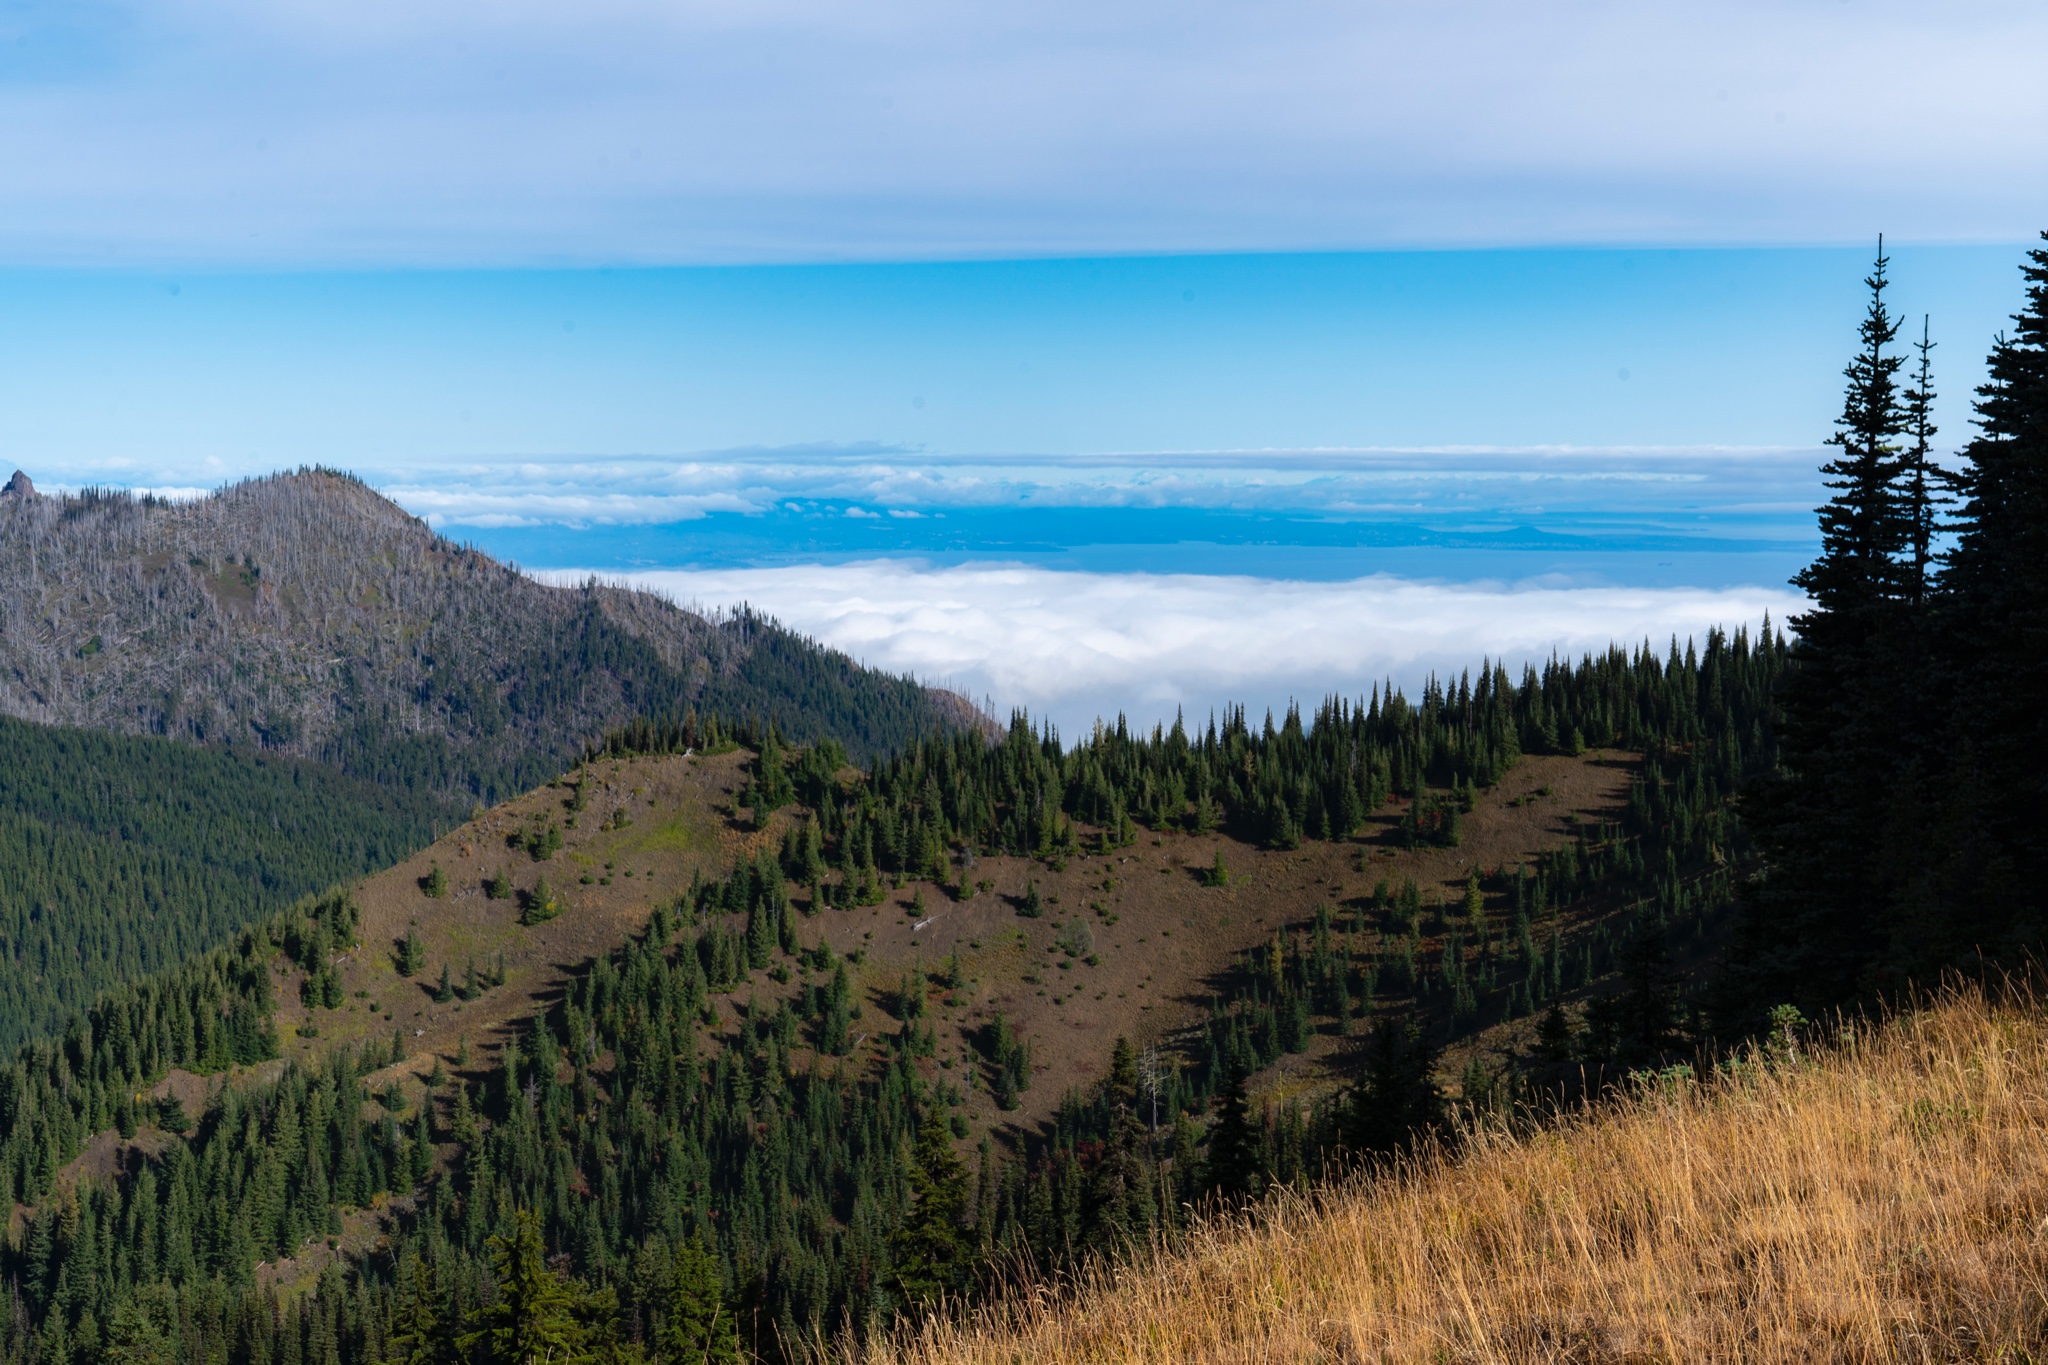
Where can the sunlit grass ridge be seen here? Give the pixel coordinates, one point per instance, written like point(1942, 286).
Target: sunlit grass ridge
point(1881, 1200)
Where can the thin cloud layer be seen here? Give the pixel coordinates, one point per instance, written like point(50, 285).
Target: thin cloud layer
point(1076, 646)
point(1740, 491)
point(458, 132)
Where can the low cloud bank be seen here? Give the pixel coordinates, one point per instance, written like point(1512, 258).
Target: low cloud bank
point(1075, 646)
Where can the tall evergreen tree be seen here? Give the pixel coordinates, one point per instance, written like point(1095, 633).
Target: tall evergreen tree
point(1996, 580)
point(1637, 1026)
point(534, 1320)
point(933, 1254)
point(1235, 1166)
point(1810, 933)
point(418, 1335)
point(1863, 526)
point(1921, 481)
point(701, 1328)
point(1398, 1098)
point(1123, 1202)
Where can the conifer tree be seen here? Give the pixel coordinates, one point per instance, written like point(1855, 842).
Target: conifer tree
point(1810, 934)
point(1637, 1026)
point(1234, 1167)
point(700, 1328)
point(412, 955)
point(133, 1339)
point(541, 904)
point(170, 1114)
point(933, 1253)
point(1921, 482)
point(1996, 589)
point(1398, 1098)
point(835, 1023)
point(533, 1321)
point(1554, 1037)
point(1122, 1202)
point(417, 1331)
point(1218, 873)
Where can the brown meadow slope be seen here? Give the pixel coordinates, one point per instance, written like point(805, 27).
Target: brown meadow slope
point(1164, 943)
point(1883, 1200)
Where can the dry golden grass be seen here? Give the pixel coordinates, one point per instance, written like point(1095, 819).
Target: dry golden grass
point(1884, 1202)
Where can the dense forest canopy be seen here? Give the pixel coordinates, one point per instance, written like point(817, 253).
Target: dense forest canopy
point(630, 1179)
point(122, 856)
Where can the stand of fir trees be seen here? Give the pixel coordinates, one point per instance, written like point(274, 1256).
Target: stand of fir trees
point(924, 810)
point(1905, 832)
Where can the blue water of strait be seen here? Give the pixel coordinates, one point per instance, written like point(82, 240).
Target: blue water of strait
point(1167, 541)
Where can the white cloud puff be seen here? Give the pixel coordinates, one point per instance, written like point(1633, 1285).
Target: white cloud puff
point(1075, 646)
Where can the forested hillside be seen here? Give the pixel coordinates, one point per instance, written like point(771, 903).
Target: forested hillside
point(729, 1120)
point(122, 856)
point(306, 615)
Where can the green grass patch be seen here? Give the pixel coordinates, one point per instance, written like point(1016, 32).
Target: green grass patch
point(687, 831)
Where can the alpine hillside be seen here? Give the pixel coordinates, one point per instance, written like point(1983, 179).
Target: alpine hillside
point(306, 614)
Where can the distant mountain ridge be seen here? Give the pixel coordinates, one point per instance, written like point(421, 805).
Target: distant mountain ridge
point(306, 614)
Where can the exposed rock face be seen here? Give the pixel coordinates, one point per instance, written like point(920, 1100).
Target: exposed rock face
point(305, 613)
point(18, 487)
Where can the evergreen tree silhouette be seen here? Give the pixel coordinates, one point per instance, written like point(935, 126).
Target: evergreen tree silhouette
point(1997, 581)
point(534, 1319)
point(1235, 1166)
point(933, 1252)
point(1811, 934)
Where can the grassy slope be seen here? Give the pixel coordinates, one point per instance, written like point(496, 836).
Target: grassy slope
point(1883, 1202)
point(1166, 942)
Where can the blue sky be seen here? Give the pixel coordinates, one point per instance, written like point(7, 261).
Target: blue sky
point(1212, 306)
point(175, 377)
